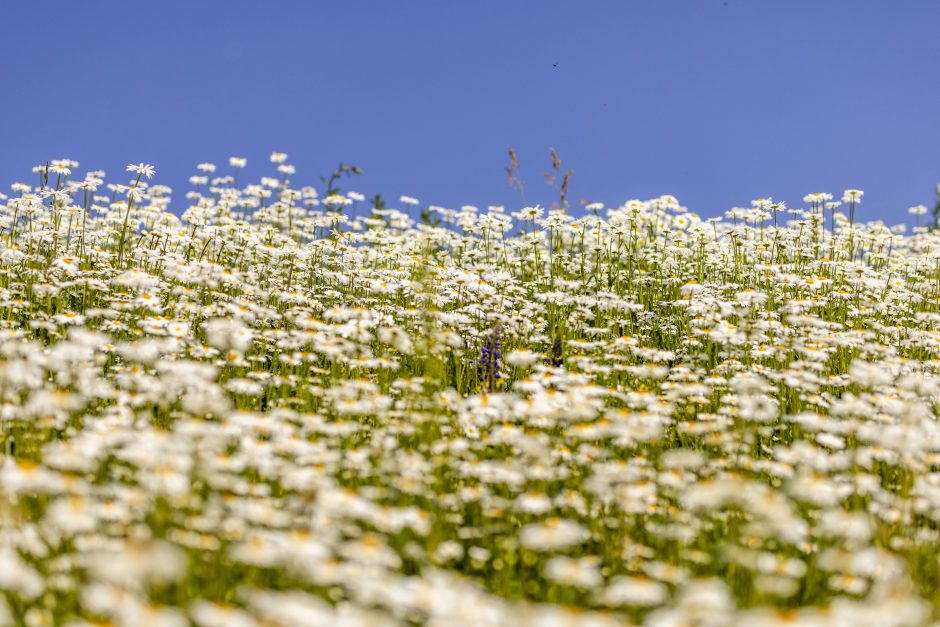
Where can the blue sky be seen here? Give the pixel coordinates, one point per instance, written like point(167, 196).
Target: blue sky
point(715, 102)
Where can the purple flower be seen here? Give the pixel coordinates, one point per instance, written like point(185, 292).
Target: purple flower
point(488, 368)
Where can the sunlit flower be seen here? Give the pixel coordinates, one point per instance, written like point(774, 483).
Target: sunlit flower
point(142, 169)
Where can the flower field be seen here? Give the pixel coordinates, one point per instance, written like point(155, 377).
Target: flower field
point(281, 408)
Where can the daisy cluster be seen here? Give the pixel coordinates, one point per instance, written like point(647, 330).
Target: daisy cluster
point(280, 408)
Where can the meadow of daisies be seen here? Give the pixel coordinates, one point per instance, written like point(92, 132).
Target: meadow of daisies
point(261, 405)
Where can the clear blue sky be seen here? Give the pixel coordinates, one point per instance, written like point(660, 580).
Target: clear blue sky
point(714, 101)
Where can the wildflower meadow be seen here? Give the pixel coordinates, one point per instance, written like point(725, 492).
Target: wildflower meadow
point(265, 404)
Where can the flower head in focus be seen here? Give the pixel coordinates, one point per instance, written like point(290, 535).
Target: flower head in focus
point(142, 169)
